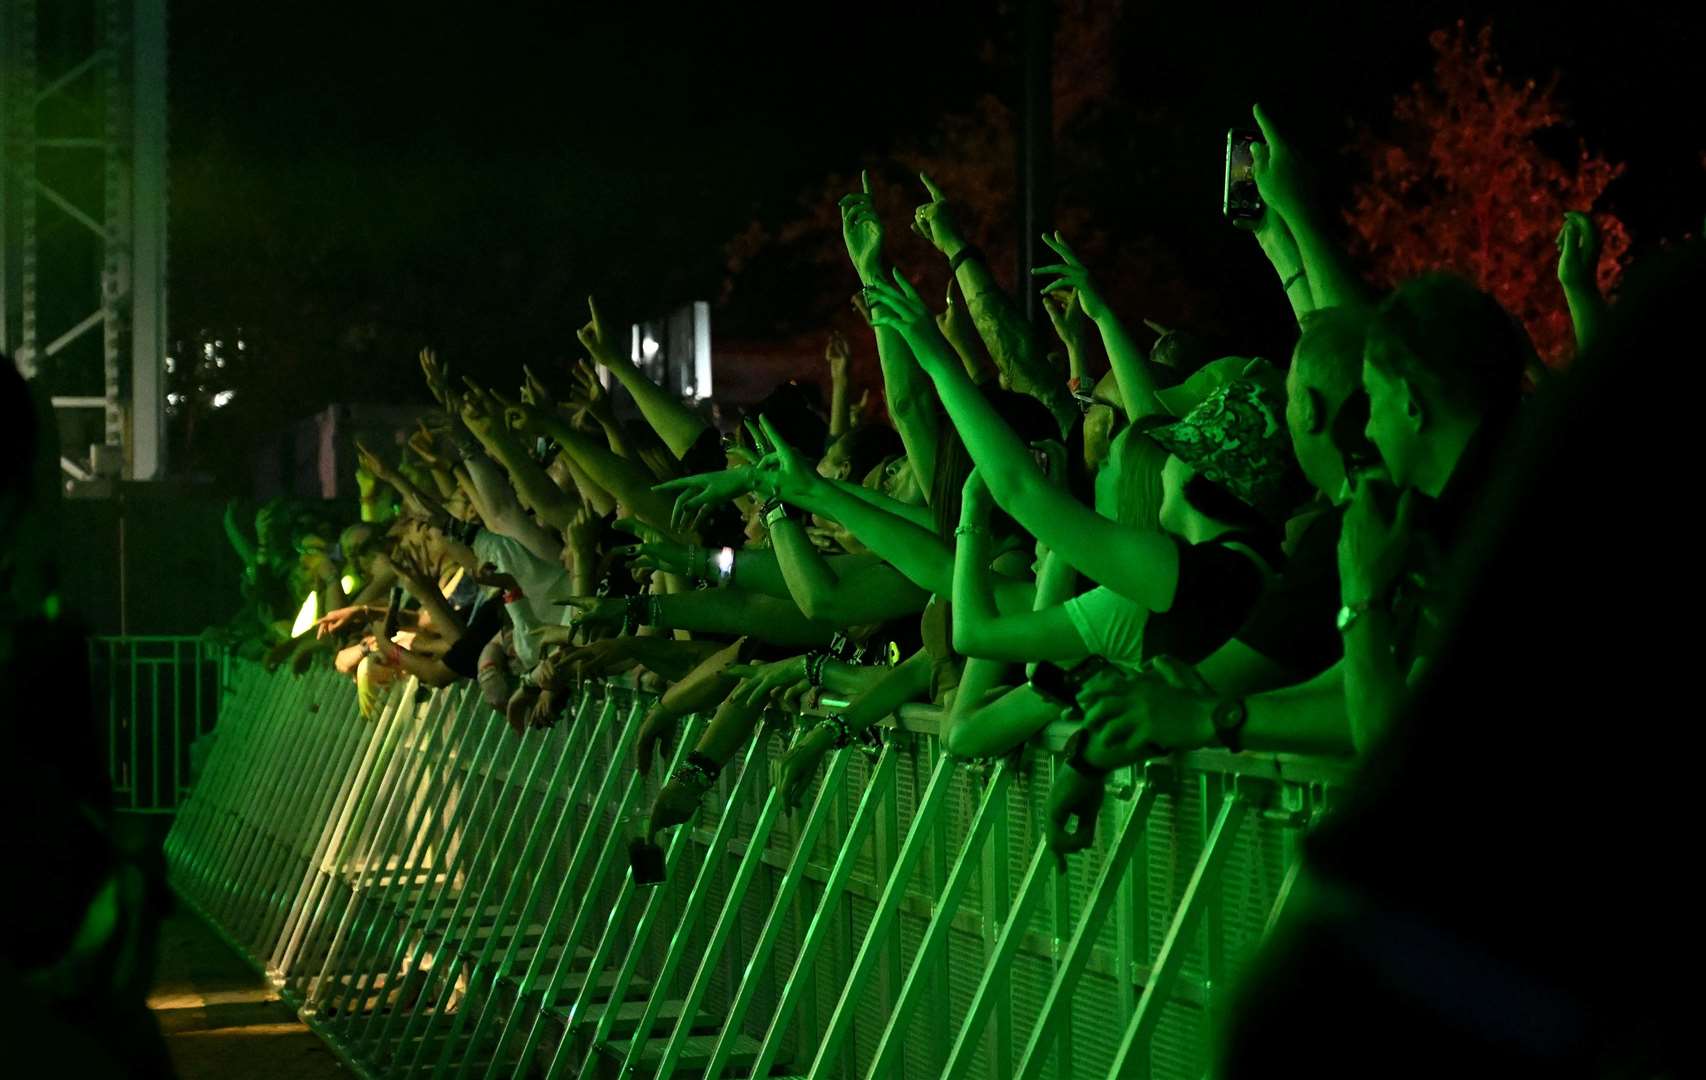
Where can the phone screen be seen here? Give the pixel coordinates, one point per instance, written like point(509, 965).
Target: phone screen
point(1240, 161)
point(1242, 202)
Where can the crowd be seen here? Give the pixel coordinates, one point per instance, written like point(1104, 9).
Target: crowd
point(1189, 551)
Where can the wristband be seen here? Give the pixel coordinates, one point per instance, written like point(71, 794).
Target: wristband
point(512, 595)
point(970, 251)
point(814, 669)
point(696, 769)
point(963, 530)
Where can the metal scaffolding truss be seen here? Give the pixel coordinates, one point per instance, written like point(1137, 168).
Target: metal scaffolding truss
point(83, 220)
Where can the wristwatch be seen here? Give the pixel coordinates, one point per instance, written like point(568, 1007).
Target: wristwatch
point(1229, 717)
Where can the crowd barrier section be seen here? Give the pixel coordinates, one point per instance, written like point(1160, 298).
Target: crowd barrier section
point(440, 897)
point(157, 696)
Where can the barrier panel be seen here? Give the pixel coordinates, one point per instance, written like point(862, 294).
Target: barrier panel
point(158, 695)
point(441, 898)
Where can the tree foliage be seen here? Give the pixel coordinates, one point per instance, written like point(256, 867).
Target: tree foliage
point(1466, 185)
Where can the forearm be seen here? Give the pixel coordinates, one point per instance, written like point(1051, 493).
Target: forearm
point(627, 481)
point(838, 418)
point(734, 612)
point(1587, 314)
point(535, 489)
point(1374, 687)
point(907, 681)
point(911, 403)
point(601, 501)
point(918, 515)
point(865, 592)
point(973, 595)
point(1280, 247)
point(1011, 344)
point(676, 424)
point(916, 552)
point(497, 505)
point(1333, 282)
point(614, 436)
point(1126, 359)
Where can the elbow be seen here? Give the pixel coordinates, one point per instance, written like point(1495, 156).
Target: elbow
point(967, 640)
point(956, 736)
point(823, 607)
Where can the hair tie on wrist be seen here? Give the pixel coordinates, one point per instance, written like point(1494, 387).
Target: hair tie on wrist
point(512, 595)
point(1292, 280)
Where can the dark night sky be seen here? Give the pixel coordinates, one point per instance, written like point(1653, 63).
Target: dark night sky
point(345, 183)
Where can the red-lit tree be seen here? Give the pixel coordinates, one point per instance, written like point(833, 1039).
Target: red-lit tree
point(1465, 186)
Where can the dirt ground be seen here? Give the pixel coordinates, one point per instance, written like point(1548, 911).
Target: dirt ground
point(221, 1020)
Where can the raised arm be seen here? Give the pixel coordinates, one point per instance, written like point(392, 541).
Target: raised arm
point(911, 405)
point(1578, 270)
point(1006, 333)
point(1126, 357)
point(1274, 237)
point(1138, 563)
point(1332, 280)
point(676, 424)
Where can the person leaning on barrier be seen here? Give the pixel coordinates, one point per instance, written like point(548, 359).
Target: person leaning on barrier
point(1442, 367)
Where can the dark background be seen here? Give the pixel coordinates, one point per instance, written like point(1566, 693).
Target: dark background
point(349, 185)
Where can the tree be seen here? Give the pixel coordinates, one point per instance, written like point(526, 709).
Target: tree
point(1467, 186)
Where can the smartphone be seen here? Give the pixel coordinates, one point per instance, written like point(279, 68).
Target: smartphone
point(1061, 685)
point(1241, 203)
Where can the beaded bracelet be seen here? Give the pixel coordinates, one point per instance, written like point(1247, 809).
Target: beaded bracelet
point(814, 668)
point(697, 768)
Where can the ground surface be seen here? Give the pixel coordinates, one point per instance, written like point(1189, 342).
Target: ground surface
point(221, 1020)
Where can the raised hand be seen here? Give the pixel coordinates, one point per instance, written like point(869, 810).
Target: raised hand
point(368, 460)
point(1071, 276)
point(1578, 252)
point(1067, 316)
point(437, 377)
point(520, 415)
point(795, 476)
point(479, 411)
point(604, 349)
point(533, 390)
point(839, 354)
point(899, 307)
point(862, 230)
point(935, 222)
point(588, 396)
point(1278, 172)
point(704, 490)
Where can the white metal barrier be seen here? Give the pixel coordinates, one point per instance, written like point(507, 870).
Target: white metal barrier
point(442, 898)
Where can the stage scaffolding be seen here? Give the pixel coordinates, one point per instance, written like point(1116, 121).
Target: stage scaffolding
point(83, 225)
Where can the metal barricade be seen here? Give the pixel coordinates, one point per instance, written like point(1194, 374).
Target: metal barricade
point(441, 898)
point(158, 696)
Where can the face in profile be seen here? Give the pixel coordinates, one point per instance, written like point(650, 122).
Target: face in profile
point(835, 463)
point(1392, 426)
point(900, 483)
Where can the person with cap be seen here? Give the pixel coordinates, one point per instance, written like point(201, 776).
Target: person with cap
point(1442, 368)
